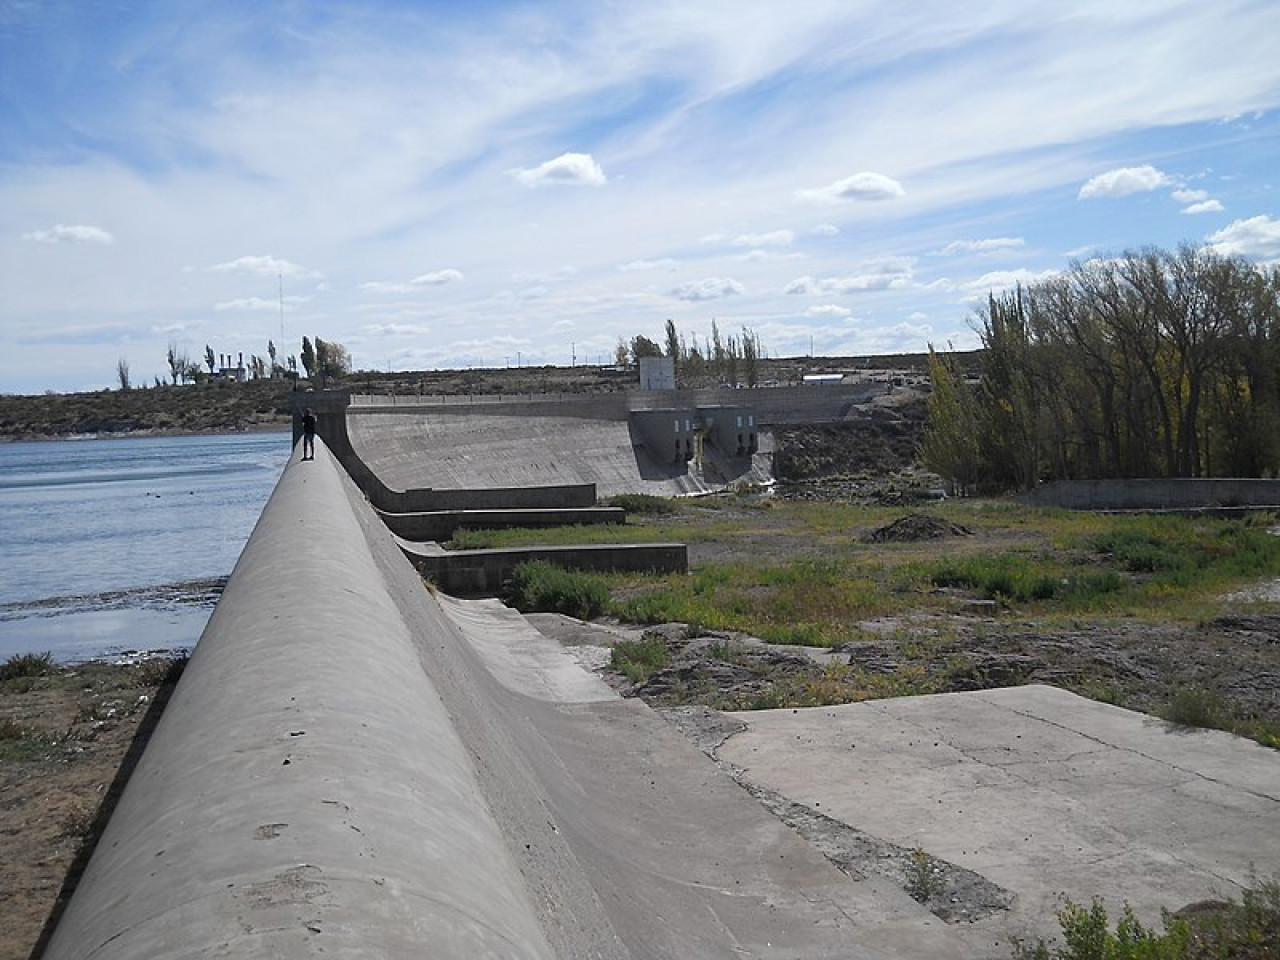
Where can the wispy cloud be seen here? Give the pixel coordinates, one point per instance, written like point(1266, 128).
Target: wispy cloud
point(436, 278)
point(262, 267)
point(889, 274)
point(776, 238)
point(258, 303)
point(987, 246)
point(860, 186)
point(70, 233)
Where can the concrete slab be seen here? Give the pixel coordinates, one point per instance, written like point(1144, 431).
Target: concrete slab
point(1043, 792)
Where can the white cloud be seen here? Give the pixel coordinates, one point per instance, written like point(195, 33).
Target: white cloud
point(1123, 181)
point(571, 169)
point(1207, 206)
point(711, 288)
point(70, 233)
point(990, 245)
point(396, 330)
point(829, 310)
point(635, 265)
point(1257, 238)
point(825, 230)
point(257, 303)
point(778, 238)
point(387, 286)
point(1185, 195)
point(999, 280)
point(860, 186)
point(262, 267)
point(891, 273)
point(438, 278)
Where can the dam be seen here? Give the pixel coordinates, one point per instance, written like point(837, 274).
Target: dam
point(360, 763)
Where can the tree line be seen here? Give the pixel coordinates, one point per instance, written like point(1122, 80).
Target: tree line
point(1150, 364)
point(323, 360)
point(732, 359)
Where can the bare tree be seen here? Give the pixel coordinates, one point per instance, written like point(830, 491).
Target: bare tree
point(122, 373)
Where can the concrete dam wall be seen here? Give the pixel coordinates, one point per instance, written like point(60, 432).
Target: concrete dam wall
point(356, 766)
point(305, 786)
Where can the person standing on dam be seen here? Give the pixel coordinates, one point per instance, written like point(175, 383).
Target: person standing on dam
point(308, 434)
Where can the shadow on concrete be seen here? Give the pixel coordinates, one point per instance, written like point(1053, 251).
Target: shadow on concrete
point(649, 466)
point(108, 805)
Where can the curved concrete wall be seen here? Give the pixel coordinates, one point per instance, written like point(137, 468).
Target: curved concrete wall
point(305, 791)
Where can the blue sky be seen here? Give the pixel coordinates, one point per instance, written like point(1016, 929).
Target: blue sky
point(462, 184)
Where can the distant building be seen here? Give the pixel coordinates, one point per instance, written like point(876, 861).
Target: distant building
point(226, 371)
point(657, 373)
point(822, 379)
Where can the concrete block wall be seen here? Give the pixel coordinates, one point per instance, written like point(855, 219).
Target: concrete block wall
point(440, 525)
point(305, 790)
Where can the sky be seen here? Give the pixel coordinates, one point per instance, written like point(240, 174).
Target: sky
point(491, 183)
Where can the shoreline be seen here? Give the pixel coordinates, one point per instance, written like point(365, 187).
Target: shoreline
point(282, 426)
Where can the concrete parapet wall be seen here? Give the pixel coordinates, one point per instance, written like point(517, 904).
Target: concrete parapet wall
point(483, 572)
point(305, 790)
point(441, 524)
point(1156, 494)
point(560, 497)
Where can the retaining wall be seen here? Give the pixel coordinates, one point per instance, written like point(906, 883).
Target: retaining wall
point(305, 790)
point(484, 572)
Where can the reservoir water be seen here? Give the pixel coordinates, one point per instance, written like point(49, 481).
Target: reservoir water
point(112, 546)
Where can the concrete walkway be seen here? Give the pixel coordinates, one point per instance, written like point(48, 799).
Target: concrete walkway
point(1038, 790)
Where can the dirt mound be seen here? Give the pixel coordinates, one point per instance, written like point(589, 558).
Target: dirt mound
point(915, 527)
point(871, 440)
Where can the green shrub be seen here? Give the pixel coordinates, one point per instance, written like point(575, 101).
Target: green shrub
point(638, 659)
point(1247, 930)
point(27, 665)
point(543, 587)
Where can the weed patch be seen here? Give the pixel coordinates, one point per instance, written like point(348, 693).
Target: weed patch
point(1196, 707)
point(543, 587)
point(638, 659)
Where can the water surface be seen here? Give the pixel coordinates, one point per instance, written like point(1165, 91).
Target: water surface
point(123, 544)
